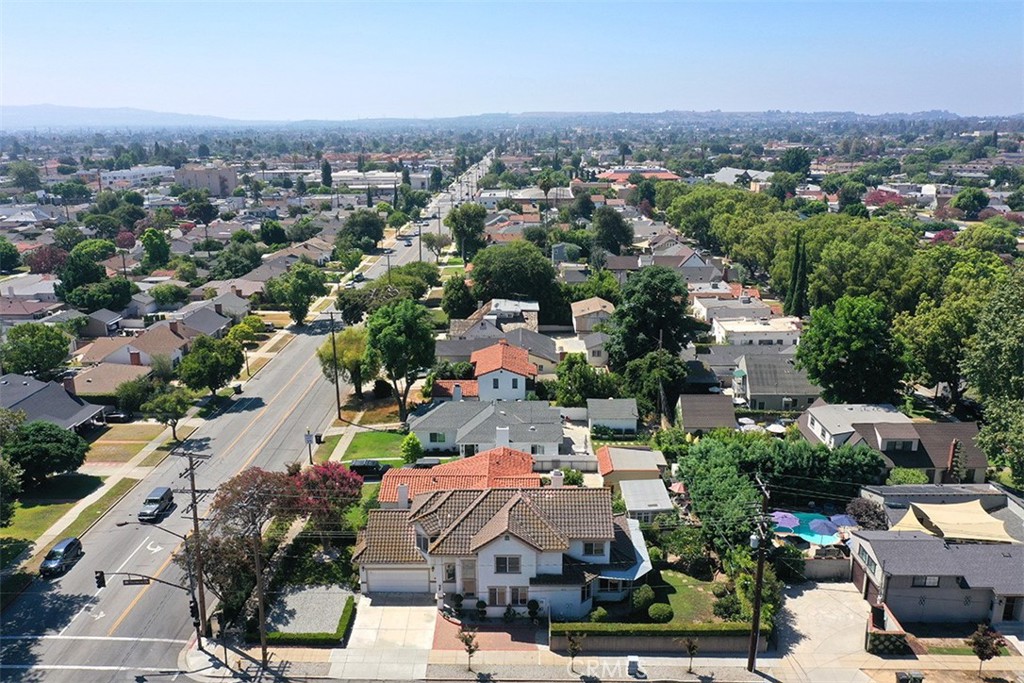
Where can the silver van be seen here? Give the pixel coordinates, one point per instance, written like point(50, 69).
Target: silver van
point(158, 502)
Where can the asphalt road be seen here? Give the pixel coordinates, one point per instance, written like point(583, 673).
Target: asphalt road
point(67, 630)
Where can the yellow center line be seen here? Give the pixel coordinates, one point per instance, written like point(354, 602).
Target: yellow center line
point(256, 451)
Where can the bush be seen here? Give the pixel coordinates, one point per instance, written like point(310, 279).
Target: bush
point(720, 589)
point(602, 433)
point(382, 389)
point(660, 613)
point(599, 614)
point(656, 555)
point(481, 609)
point(728, 607)
point(669, 630)
point(532, 607)
point(642, 598)
point(572, 477)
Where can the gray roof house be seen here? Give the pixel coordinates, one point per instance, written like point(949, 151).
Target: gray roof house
point(618, 414)
point(645, 499)
point(473, 426)
point(701, 413)
point(205, 320)
point(102, 323)
point(773, 382)
point(45, 401)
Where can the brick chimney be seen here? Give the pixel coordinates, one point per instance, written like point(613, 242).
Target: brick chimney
point(219, 309)
point(174, 326)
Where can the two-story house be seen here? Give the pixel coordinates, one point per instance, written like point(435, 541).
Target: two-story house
point(589, 313)
point(561, 546)
point(502, 372)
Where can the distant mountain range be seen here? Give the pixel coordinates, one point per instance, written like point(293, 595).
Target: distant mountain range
point(50, 116)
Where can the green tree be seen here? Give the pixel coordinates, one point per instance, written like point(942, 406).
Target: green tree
point(905, 475)
point(353, 363)
point(517, 270)
point(10, 486)
point(795, 160)
point(67, 237)
point(936, 337)
point(970, 200)
point(43, 448)
point(987, 237)
point(112, 294)
point(96, 249)
point(783, 185)
point(993, 363)
point(297, 288)
point(435, 243)
point(457, 302)
point(78, 270)
point(235, 260)
point(655, 381)
point(412, 449)
point(467, 225)
point(850, 352)
point(325, 174)
point(133, 393)
point(211, 364)
point(1002, 435)
point(169, 408)
point(168, 294)
point(349, 259)
point(582, 206)
point(796, 293)
point(601, 284)
point(9, 256)
point(849, 194)
point(401, 339)
point(364, 228)
point(652, 315)
point(578, 381)
point(241, 335)
point(611, 230)
point(157, 248)
point(271, 232)
point(202, 211)
point(34, 349)
point(24, 175)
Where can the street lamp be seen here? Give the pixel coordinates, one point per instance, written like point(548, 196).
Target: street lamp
point(193, 605)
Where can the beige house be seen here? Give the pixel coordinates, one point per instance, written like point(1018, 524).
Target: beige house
point(589, 313)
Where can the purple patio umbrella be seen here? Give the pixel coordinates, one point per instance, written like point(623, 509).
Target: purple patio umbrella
point(843, 520)
point(784, 519)
point(823, 527)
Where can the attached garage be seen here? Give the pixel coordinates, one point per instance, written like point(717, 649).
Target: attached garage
point(391, 580)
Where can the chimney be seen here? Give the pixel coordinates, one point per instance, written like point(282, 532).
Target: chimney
point(219, 309)
point(69, 384)
point(457, 392)
point(174, 326)
point(403, 496)
point(557, 479)
point(236, 291)
point(501, 437)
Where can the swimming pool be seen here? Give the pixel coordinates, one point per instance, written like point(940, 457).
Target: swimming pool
point(803, 530)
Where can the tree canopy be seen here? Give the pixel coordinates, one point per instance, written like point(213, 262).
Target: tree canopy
point(467, 226)
point(210, 364)
point(35, 349)
point(43, 448)
point(518, 270)
point(401, 339)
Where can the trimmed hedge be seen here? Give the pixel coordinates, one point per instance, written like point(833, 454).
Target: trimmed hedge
point(602, 628)
point(348, 614)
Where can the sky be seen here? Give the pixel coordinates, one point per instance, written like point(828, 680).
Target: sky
point(339, 60)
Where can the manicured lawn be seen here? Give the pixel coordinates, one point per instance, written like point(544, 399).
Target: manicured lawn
point(38, 510)
point(324, 450)
point(375, 446)
point(691, 599)
point(963, 650)
point(357, 514)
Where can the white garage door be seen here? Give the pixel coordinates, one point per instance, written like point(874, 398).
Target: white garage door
point(398, 580)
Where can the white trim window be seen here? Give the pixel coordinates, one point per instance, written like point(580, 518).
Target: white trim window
point(507, 564)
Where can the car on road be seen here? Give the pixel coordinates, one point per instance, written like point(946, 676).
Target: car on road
point(407, 242)
point(157, 503)
point(350, 285)
point(62, 557)
point(369, 468)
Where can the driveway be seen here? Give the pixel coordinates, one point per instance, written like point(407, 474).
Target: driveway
point(390, 640)
point(821, 633)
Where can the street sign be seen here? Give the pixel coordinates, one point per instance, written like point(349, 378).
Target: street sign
point(135, 582)
point(309, 439)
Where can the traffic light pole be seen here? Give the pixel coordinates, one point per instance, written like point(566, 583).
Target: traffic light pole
point(196, 552)
point(135, 579)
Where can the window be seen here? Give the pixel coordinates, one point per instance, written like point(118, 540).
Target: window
point(449, 572)
point(609, 585)
point(596, 353)
point(506, 564)
point(518, 595)
point(925, 581)
point(536, 450)
point(494, 383)
point(585, 592)
point(437, 437)
point(422, 543)
point(868, 561)
point(496, 596)
point(593, 548)
point(764, 342)
point(515, 382)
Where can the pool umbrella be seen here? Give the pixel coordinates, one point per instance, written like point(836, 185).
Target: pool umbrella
point(746, 421)
point(843, 520)
point(785, 519)
point(823, 527)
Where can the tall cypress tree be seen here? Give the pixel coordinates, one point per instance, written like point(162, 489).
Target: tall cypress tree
point(799, 302)
point(794, 272)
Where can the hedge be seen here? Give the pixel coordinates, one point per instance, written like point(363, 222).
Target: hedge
point(348, 614)
point(674, 630)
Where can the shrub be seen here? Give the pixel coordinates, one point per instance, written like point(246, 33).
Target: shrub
point(481, 609)
point(660, 630)
point(382, 389)
point(599, 614)
point(642, 598)
point(602, 433)
point(532, 607)
point(720, 589)
point(572, 477)
point(656, 555)
point(660, 613)
point(728, 607)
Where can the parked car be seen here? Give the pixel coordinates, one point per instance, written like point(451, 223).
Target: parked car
point(62, 557)
point(369, 468)
point(118, 416)
point(358, 277)
point(158, 502)
point(426, 463)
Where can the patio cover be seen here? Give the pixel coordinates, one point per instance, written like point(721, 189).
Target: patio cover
point(956, 522)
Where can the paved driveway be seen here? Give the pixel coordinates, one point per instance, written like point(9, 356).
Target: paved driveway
point(390, 639)
point(821, 633)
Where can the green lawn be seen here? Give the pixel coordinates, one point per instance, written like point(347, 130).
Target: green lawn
point(691, 599)
point(356, 515)
point(324, 450)
point(375, 446)
point(962, 650)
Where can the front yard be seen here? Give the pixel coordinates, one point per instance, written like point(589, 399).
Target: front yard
point(691, 599)
point(383, 446)
point(120, 443)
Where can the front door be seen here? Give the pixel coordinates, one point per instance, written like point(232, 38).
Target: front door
point(1010, 608)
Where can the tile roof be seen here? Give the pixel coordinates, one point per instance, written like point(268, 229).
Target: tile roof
point(445, 388)
point(497, 467)
point(611, 459)
point(503, 356)
point(387, 539)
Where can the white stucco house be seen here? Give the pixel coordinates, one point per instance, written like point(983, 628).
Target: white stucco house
point(618, 414)
point(470, 427)
point(561, 546)
point(761, 331)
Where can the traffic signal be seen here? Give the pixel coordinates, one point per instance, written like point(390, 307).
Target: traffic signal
point(193, 609)
point(101, 580)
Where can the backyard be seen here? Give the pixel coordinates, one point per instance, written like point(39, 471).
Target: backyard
point(691, 599)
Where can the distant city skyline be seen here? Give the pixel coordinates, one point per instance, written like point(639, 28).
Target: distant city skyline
point(351, 60)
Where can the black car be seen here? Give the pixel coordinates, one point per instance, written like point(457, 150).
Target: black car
point(62, 557)
point(118, 416)
point(369, 468)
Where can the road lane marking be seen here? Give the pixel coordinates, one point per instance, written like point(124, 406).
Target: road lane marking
point(142, 592)
point(154, 547)
point(73, 667)
point(50, 636)
point(97, 593)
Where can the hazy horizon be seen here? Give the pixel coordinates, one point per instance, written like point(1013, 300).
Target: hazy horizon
point(270, 61)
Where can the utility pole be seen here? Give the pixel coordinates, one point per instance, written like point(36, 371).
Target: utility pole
point(758, 539)
point(201, 593)
point(258, 551)
point(389, 267)
point(334, 355)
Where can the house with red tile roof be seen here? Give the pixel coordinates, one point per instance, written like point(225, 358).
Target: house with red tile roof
point(496, 468)
point(502, 372)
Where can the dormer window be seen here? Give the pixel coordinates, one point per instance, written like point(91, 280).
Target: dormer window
point(592, 548)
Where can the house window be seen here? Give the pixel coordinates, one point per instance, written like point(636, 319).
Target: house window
point(422, 543)
point(518, 595)
point(596, 353)
point(868, 561)
point(437, 437)
point(515, 382)
point(536, 450)
point(925, 581)
point(593, 548)
point(609, 585)
point(496, 597)
point(494, 383)
point(449, 572)
point(585, 592)
point(764, 342)
point(506, 564)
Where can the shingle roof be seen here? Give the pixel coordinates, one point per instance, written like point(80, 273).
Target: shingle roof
point(612, 408)
point(97, 351)
point(503, 356)
point(776, 375)
point(594, 304)
point(610, 459)
point(205, 320)
point(45, 401)
point(705, 412)
point(537, 344)
point(497, 467)
point(452, 349)
point(476, 421)
point(645, 495)
point(105, 378)
point(387, 539)
point(162, 339)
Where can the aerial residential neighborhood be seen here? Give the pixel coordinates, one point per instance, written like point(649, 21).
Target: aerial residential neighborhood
point(336, 376)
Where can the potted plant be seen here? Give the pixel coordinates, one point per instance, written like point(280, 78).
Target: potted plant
point(481, 609)
point(533, 608)
point(457, 604)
